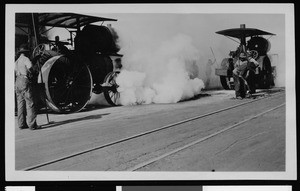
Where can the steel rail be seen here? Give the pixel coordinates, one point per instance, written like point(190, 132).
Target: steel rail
point(144, 133)
point(153, 160)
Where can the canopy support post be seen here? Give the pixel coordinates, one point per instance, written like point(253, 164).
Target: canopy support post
point(40, 68)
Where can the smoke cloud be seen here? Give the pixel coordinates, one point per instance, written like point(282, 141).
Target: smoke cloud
point(167, 74)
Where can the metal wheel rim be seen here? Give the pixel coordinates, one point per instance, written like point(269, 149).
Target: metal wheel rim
point(112, 97)
point(69, 86)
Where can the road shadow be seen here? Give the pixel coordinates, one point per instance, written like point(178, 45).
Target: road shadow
point(93, 107)
point(263, 93)
point(52, 124)
point(271, 91)
point(196, 97)
point(44, 110)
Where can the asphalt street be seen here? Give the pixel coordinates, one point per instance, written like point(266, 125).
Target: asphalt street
point(257, 144)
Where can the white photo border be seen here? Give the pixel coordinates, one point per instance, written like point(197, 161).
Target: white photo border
point(291, 162)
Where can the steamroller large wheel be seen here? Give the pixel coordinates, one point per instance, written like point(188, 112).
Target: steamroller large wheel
point(266, 74)
point(68, 85)
point(111, 95)
point(225, 82)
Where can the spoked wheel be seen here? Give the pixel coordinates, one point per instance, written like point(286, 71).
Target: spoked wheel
point(38, 50)
point(68, 86)
point(254, 54)
point(111, 95)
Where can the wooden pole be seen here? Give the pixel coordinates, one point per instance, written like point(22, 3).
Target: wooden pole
point(40, 68)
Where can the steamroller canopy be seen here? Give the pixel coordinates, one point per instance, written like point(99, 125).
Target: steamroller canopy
point(243, 32)
point(64, 20)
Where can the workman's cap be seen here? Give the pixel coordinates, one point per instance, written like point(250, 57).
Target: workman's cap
point(243, 55)
point(23, 48)
point(116, 54)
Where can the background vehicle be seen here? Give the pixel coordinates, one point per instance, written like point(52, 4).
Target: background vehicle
point(257, 47)
point(69, 71)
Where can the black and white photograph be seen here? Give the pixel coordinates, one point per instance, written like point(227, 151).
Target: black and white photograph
point(150, 92)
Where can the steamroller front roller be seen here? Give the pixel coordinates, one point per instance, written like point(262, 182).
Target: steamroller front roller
point(68, 84)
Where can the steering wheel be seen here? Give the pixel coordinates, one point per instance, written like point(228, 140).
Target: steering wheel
point(38, 50)
point(254, 54)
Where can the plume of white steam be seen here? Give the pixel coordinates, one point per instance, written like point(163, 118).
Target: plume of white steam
point(164, 75)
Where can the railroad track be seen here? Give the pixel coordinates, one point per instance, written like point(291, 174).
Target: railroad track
point(169, 126)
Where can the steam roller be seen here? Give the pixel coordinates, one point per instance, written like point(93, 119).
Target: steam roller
point(257, 47)
point(69, 79)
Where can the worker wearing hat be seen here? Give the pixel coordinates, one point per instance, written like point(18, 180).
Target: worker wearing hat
point(242, 74)
point(23, 87)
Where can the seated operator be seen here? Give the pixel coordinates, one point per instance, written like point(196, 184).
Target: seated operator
point(45, 55)
point(61, 48)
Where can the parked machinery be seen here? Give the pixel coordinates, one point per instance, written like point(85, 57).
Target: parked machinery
point(257, 47)
point(68, 76)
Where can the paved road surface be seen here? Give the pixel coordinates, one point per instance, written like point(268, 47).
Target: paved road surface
point(257, 145)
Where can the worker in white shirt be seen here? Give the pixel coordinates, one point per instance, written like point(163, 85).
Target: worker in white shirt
point(24, 90)
point(243, 74)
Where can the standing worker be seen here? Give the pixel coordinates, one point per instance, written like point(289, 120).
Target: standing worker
point(243, 75)
point(24, 89)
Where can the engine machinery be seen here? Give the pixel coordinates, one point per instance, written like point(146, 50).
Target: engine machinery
point(256, 47)
point(68, 76)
